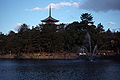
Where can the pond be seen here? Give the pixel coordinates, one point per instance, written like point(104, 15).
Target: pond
point(59, 70)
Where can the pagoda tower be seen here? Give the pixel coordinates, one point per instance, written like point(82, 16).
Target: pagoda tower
point(50, 19)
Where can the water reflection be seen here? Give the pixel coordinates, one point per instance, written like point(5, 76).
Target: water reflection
point(59, 70)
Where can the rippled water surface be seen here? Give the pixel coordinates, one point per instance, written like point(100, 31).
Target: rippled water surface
point(59, 70)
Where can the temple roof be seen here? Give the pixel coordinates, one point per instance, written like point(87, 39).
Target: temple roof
point(50, 19)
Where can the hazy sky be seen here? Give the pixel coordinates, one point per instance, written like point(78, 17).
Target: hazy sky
point(16, 12)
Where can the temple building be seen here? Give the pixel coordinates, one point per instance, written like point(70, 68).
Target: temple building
point(50, 19)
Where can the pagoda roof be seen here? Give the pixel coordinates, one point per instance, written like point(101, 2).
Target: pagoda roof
point(50, 19)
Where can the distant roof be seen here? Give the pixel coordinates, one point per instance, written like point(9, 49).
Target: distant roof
point(49, 19)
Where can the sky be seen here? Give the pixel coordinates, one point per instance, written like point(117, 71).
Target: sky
point(13, 13)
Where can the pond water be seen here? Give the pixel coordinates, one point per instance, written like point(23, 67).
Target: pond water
point(59, 70)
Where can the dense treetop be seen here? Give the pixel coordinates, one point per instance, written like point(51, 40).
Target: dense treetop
point(59, 38)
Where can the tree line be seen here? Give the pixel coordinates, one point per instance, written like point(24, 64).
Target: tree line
point(59, 38)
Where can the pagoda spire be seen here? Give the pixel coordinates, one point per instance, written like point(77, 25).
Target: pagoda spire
point(50, 19)
point(50, 11)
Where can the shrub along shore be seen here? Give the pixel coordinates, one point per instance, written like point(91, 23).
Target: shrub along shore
point(42, 55)
point(57, 56)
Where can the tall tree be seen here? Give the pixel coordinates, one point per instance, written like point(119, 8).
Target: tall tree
point(100, 28)
point(86, 18)
point(23, 28)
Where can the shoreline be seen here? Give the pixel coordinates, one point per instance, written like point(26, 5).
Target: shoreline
point(50, 56)
point(55, 56)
